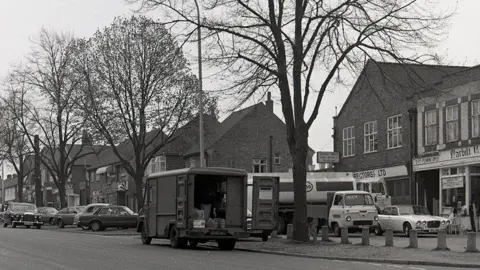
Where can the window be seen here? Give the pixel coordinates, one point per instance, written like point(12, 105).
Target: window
point(387, 211)
point(394, 131)
point(105, 211)
point(452, 123)
point(265, 193)
point(394, 211)
point(191, 162)
point(476, 118)
point(157, 164)
point(259, 165)
point(338, 200)
point(370, 137)
point(358, 199)
point(276, 159)
point(431, 127)
point(349, 141)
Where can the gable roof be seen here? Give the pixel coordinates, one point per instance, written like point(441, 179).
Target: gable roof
point(398, 79)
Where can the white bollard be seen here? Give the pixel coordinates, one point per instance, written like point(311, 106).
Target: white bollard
point(442, 241)
point(325, 234)
point(389, 237)
point(472, 242)
point(344, 236)
point(413, 239)
point(366, 236)
point(289, 231)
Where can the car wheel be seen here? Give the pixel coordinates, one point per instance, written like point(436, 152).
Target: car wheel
point(5, 224)
point(175, 240)
point(96, 226)
point(60, 223)
point(51, 221)
point(406, 229)
point(145, 239)
point(85, 227)
point(336, 230)
point(39, 226)
point(14, 225)
point(28, 226)
point(378, 230)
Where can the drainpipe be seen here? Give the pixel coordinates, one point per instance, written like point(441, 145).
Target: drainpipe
point(271, 154)
point(412, 116)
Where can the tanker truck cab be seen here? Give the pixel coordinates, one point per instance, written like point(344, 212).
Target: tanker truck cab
point(352, 209)
point(197, 205)
point(378, 189)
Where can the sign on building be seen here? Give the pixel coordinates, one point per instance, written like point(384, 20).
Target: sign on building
point(328, 157)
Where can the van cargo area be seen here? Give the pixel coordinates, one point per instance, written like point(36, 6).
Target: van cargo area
point(219, 201)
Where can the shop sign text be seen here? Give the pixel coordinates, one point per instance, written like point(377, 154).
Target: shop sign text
point(370, 174)
point(452, 182)
point(426, 160)
point(465, 152)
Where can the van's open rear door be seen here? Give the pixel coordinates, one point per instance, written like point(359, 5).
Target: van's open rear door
point(265, 196)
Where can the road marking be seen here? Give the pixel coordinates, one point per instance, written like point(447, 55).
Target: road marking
point(394, 265)
point(417, 268)
point(376, 264)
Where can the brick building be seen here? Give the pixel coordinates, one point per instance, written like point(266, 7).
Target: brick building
point(447, 164)
point(372, 131)
point(253, 139)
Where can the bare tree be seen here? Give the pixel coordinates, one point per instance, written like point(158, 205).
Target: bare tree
point(300, 46)
point(49, 88)
point(138, 90)
point(14, 146)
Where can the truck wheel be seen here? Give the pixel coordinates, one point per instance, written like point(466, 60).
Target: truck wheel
point(14, 225)
point(336, 230)
point(39, 226)
point(5, 224)
point(227, 244)
point(145, 239)
point(265, 236)
point(175, 240)
point(28, 226)
point(192, 243)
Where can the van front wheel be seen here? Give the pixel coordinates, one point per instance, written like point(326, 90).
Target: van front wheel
point(175, 240)
point(227, 244)
point(337, 230)
point(145, 239)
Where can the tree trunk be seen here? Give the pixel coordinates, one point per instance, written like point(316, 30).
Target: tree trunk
point(138, 191)
point(20, 180)
point(62, 194)
point(299, 156)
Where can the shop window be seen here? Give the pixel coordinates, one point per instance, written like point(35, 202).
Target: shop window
point(431, 127)
point(370, 137)
point(349, 141)
point(453, 187)
point(452, 123)
point(394, 131)
point(259, 165)
point(476, 118)
point(276, 159)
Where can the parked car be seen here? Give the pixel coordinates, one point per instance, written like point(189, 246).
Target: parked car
point(65, 216)
point(47, 214)
point(109, 217)
point(22, 214)
point(89, 209)
point(403, 218)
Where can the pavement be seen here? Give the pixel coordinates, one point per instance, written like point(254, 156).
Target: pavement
point(22, 248)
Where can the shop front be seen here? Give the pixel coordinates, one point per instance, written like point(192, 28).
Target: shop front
point(392, 181)
point(457, 187)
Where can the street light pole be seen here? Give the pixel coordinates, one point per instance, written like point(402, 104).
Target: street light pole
point(3, 184)
point(200, 94)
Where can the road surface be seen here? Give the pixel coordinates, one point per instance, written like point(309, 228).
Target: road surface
point(26, 249)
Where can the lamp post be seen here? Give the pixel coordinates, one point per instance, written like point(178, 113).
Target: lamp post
point(3, 184)
point(200, 94)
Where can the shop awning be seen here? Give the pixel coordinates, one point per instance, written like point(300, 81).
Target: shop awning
point(102, 170)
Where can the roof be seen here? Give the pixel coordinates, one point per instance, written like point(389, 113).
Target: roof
point(10, 182)
point(203, 170)
point(352, 192)
point(399, 79)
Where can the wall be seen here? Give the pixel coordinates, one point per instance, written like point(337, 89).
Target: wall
point(364, 105)
point(249, 139)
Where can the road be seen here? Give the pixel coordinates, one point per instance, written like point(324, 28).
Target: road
point(26, 249)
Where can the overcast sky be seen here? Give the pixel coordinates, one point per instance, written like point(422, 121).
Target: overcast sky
point(22, 20)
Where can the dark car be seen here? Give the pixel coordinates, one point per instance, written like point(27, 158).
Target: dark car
point(22, 214)
point(47, 214)
point(109, 217)
point(89, 209)
point(65, 216)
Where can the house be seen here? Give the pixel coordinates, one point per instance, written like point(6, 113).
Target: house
point(447, 162)
point(253, 139)
point(10, 185)
point(373, 131)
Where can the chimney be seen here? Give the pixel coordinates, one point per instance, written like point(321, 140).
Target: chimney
point(86, 140)
point(269, 102)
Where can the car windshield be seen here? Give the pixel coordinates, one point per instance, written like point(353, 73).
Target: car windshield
point(49, 210)
point(129, 211)
point(24, 207)
point(358, 199)
point(413, 210)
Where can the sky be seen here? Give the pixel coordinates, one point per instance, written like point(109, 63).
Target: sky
point(20, 21)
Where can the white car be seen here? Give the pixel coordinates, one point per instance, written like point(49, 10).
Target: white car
point(403, 218)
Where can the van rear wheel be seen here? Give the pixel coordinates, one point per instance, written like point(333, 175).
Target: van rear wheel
point(145, 239)
point(175, 240)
